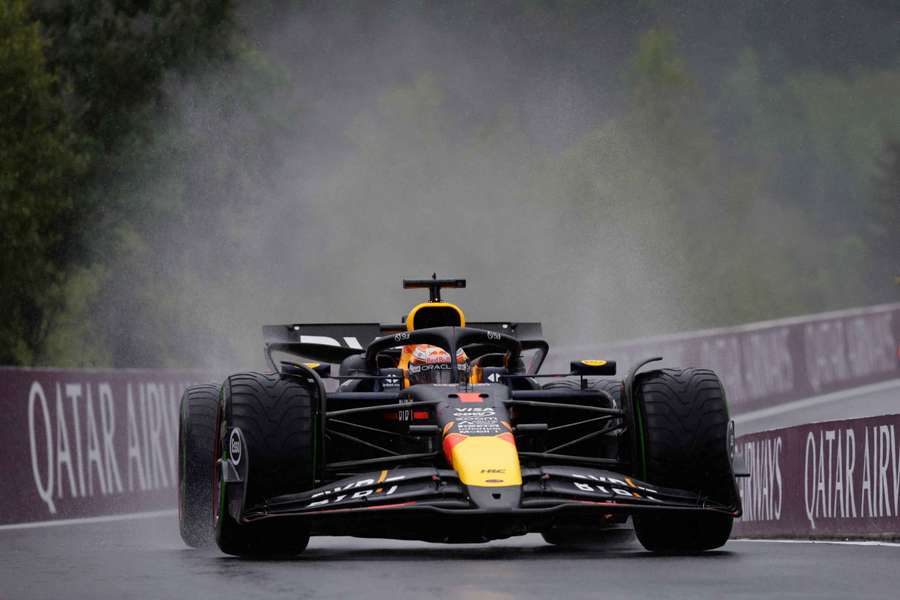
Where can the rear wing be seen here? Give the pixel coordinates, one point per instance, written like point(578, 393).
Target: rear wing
point(333, 342)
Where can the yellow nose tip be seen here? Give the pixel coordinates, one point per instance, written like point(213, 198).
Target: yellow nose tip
point(487, 461)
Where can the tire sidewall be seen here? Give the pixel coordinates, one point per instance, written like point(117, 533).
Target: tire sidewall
point(196, 469)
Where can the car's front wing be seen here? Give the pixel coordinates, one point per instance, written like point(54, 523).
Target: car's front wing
point(407, 502)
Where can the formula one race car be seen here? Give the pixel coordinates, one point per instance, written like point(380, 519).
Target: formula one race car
point(441, 430)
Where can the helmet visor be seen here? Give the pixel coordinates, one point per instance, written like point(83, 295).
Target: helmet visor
point(432, 365)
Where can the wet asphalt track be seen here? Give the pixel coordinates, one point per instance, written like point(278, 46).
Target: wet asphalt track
point(145, 559)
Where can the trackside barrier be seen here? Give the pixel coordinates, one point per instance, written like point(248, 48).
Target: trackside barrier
point(772, 362)
point(825, 480)
point(81, 443)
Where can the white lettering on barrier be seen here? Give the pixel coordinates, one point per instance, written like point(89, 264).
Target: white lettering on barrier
point(94, 458)
point(849, 467)
point(760, 361)
point(45, 492)
point(895, 460)
point(824, 349)
point(871, 347)
point(135, 454)
point(810, 506)
point(840, 350)
point(767, 365)
point(155, 410)
point(73, 393)
point(75, 456)
point(866, 495)
point(108, 421)
point(723, 355)
point(751, 366)
point(830, 477)
point(881, 502)
point(63, 455)
point(762, 493)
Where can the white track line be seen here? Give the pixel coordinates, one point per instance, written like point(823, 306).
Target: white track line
point(817, 400)
point(839, 542)
point(172, 513)
point(88, 520)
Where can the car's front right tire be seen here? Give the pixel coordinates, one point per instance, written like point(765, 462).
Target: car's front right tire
point(682, 415)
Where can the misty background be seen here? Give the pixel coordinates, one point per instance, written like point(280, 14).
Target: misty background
point(177, 174)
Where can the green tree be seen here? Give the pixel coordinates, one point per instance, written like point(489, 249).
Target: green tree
point(39, 168)
point(124, 66)
point(884, 219)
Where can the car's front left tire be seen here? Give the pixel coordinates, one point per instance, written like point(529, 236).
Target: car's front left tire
point(275, 417)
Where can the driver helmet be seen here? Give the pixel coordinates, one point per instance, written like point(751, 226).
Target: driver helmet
point(431, 364)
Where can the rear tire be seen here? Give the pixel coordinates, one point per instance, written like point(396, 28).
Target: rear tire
point(606, 445)
point(683, 420)
point(275, 415)
point(196, 464)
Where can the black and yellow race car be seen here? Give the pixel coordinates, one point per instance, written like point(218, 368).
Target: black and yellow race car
point(444, 430)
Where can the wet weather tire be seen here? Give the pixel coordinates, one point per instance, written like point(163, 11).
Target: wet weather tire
point(275, 416)
point(587, 537)
point(262, 539)
point(683, 420)
point(196, 464)
point(682, 534)
point(610, 386)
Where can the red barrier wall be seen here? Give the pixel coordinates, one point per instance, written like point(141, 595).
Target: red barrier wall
point(769, 363)
point(831, 479)
point(88, 442)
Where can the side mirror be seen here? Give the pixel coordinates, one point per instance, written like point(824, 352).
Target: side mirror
point(593, 367)
point(290, 368)
point(323, 370)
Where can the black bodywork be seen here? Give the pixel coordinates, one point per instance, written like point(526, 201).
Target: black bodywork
point(382, 466)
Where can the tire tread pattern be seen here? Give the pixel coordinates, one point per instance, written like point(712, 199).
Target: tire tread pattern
point(684, 417)
point(275, 416)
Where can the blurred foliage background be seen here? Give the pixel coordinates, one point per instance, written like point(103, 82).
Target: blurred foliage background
point(175, 172)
